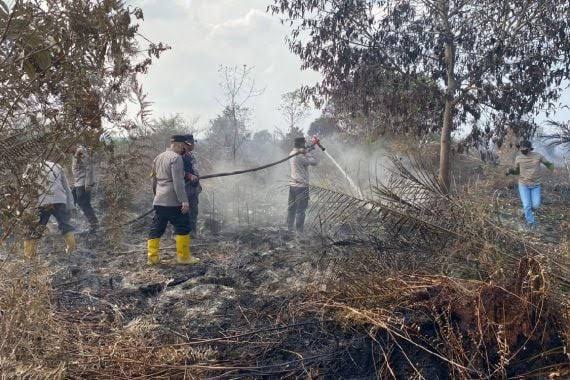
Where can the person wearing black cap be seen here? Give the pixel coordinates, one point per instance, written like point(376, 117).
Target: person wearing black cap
point(192, 182)
point(170, 203)
point(299, 185)
point(527, 166)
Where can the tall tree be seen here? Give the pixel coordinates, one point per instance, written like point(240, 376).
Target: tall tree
point(293, 109)
point(229, 132)
point(69, 63)
point(65, 67)
point(487, 56)
point(238, 88)
point(323, 126)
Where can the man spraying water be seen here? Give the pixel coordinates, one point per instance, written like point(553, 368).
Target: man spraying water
point(299, 182)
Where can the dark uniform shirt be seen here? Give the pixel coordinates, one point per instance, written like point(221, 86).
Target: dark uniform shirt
point(191, 167)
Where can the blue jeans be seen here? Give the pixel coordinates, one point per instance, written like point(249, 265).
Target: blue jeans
point(530, 198)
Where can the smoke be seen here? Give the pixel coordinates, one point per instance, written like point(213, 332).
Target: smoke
point(559, 155)
point(365, 164)
point(260, 198)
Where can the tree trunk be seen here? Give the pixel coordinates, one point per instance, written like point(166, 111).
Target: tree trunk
point(450, 102)
point(444, 147)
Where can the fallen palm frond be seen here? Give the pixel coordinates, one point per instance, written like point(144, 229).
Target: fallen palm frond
point(444, 277)
point(411, 213)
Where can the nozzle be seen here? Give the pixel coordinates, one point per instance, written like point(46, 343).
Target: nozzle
point(316, 141)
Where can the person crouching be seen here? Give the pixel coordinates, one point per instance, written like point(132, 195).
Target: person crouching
point(170, 203)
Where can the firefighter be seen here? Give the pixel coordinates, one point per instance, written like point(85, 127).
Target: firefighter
point(84, 180)
point(54, 199)
point(527, 167)
point(192, 182)
point(299, 184)
point(170, 203)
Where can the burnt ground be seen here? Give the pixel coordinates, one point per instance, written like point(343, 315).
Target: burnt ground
point(251, 281)
point(244, 310)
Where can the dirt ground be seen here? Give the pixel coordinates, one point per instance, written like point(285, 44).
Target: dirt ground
point(243, 312)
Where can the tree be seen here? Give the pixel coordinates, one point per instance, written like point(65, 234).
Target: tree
point(506, 57)
point(293, 109)
point(262, 137)
point(166, 126)
point(229, 132)
point(65, 67)
point(388, 102)
point(560, 136)
point(69, 62)
point(238, 88)
point(324, 126)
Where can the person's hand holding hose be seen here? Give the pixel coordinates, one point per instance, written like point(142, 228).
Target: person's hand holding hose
point(316, 141)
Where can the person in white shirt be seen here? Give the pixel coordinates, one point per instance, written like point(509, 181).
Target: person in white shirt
point(54, 199)
point(299, 185)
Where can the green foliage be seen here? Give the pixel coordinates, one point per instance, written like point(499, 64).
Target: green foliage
point(475, 58)
point(66, 66)
point(228, 132)
point(507, 55)
point(324, 126)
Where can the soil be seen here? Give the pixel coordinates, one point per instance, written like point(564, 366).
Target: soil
point(244, 307)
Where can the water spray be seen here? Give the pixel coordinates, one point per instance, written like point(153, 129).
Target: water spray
point(355, 188)
point(315, 141)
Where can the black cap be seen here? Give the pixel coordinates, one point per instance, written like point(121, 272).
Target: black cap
point(189, 139)
point(526, 145)
point(299, 142)
point(178, 138)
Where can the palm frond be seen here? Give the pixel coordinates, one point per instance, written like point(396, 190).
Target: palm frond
point(410, 215)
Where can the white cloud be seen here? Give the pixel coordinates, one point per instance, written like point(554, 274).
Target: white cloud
point(205, 34)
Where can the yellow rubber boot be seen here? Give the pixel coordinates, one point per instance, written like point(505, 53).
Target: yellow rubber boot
point(153, 245)
point(30, 248)
point(183, 255)
point(71, 245)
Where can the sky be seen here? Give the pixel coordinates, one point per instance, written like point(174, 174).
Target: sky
point(205, 34)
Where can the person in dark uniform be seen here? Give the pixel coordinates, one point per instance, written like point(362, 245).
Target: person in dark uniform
point(192, 182)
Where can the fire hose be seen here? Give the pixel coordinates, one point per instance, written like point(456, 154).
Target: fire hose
point(314, 142)
point(207, 176)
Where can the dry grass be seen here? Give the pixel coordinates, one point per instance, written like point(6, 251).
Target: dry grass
point(447, 276)
point(32, 337)
point(479, 301)
point(473, 329)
